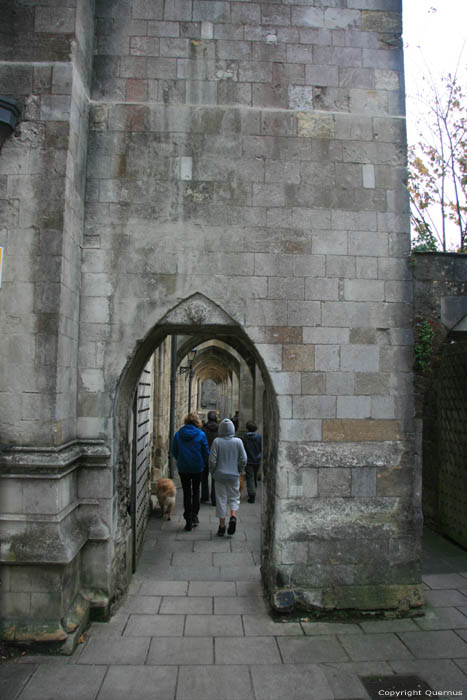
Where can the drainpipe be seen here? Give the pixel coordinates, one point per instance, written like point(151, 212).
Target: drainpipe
point(173, 380)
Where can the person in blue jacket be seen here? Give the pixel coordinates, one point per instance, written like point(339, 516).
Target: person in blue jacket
point(190, 449)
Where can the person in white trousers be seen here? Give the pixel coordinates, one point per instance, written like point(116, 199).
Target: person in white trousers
point(227, 459)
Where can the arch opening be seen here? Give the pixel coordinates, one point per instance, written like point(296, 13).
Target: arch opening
point(224, 356)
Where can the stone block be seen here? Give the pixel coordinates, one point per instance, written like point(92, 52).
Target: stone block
point(313, 383)
point(272, 355)
point(285, 288)
point(327, 358)
point(351, 430)
point(383, 407)
point(319, 126)
point(307, 17)
point(305, 407)
point(371, 383)
point(361, 358)
point(364, 482)
point(361, 290)
point(333, 483)
point(301, 430)
point(321, 288)
point(326, 243)
point(55, 20)
point(297, 358)
point(286, 382)
point(353, 407)
point(303, 313)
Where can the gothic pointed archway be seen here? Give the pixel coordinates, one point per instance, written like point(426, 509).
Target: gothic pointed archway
point(200, 322)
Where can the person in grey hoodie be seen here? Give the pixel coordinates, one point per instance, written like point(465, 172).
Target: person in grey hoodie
point(227, 460)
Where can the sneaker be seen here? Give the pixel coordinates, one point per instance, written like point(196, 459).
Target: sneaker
point(188, 526)
point(251, 499)
point(232, 525)
point(195, 521)
point(221, 531)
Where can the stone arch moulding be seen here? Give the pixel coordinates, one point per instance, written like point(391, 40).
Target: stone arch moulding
point(196, 315)
point(203, 318)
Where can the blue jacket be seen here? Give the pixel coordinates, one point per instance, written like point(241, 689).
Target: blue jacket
point(190, 449)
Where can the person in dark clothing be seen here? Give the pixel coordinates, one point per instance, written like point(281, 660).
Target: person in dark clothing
point(210, 429)
point(253, 448)
point(235, 421)
point(190, 449)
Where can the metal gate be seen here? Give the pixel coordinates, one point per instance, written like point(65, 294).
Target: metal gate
point(140, 463)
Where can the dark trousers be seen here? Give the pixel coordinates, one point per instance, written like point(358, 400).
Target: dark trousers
point(205, 488)
point(251, 471)
point(190, 486)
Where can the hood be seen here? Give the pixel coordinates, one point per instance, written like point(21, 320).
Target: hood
point(188, 432)
point(226, 428)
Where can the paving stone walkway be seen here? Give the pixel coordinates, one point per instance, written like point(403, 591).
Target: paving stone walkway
point(195, 626)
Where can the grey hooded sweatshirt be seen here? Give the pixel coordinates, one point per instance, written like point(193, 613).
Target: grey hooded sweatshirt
point(227, 457)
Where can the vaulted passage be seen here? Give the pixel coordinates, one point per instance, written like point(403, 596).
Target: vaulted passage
point(199, 368)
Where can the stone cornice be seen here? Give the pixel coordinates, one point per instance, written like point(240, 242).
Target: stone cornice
point(52, 462)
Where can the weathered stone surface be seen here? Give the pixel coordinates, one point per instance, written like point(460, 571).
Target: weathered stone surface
point(232, 181)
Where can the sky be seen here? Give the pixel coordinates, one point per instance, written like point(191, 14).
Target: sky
point(435, 42)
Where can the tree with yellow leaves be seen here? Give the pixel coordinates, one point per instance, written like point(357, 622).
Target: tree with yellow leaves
point(438, 170)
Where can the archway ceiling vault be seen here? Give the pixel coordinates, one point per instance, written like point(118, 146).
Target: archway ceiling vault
point(187, 342)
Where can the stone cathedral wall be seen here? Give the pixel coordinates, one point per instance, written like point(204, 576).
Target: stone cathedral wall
point(250, 155)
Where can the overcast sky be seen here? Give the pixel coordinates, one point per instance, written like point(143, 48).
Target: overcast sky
point(435, 42)
point(435, 36)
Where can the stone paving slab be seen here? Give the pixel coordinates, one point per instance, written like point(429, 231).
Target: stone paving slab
point(180, 651)
point(114, 651)
point(249, 588)
point(59, 682)
point(177, 605)
point(138, 683)
point(233, 559)
point(155, 625)
point(239, 605)
point(381, 626)
point(13, 679)
point(313, 628)
point(442, 618)
point(149, 604)
point(444, 644)
point(344, 678)
point(214, 626)
point(114, 627)
point(229, 573)
point(214, 683)
point(437, 581)
point(212, 588)
point(263, 625)
point(445, 598)
point(162, 588)
point(236, 650)
point(305, 650)
point(307, 682)
point(374, 647)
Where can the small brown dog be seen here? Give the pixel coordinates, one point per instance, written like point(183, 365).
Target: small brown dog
point(166, 493)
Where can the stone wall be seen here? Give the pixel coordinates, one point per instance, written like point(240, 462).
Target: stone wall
point(245, 183)
point(440, 298)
